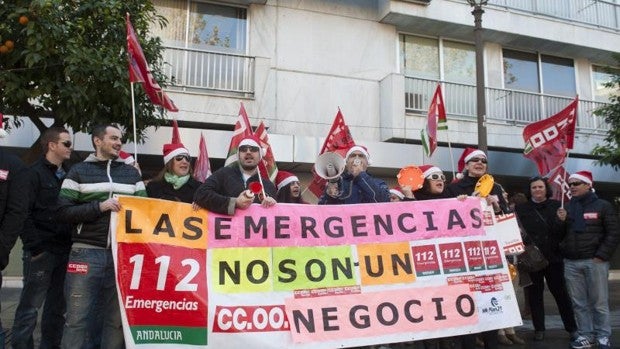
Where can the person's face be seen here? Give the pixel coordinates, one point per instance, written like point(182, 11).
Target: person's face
point(249, 156)
point(180, 165)
point(437, 182)
point(295, 189)
point(109, 147)
point(357, 157)
point(578, 188)
point(394, 198)
point(477, 166)
point(61, 149)
point(538, 191)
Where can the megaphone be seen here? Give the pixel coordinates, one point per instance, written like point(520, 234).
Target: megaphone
point(329, 165)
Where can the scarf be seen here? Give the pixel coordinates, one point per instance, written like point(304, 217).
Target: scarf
point(576, 209)
point(176, 181)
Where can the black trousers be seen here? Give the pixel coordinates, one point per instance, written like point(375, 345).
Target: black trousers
point(489, 338)
point(554, 274)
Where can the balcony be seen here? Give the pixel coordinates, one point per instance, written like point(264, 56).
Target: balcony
point(207, 71)
point(503, 106)
point(599, 13)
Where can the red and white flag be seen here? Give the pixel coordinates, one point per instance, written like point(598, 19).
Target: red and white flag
point(338, 140)
point(547, 141)
point(139, 71)
point(268, 164)
point(242, 130)
point(436, 120)
point(559, 183)
point(202, 168)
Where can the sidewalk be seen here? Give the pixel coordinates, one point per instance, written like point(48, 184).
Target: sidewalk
point(555, 336)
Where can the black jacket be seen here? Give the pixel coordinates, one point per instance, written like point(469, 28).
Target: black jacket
point(164, 190)
point(218, 193)
point(542, 226)
point(467, 186)
point(85, 187)
point(41, 231)
point(13, 202)
point(601, 235)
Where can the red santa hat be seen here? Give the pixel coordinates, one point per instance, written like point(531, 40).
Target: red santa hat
point(468, 154)
point(126, 157)
point(427, 170)
point(398, 192)
point(173, 149)
point(2, 131)
point(584, 176)
point(361, 149)
point(283, 178)
point(252, 141)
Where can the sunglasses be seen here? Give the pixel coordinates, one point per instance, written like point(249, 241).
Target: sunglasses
point(245, 148)
point(575, 184)
point(182, 157)
point(482, 160)
point(66, 144)
point(436, 177)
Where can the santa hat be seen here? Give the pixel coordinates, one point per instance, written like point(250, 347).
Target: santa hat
point(584, 176)
point(283, 178)
point(252, 141)
point(398, 192)
point(427, 170)
point(126, 157)
point(173, 149)
point(2, 131)
point(468, 154)
point(361, 149)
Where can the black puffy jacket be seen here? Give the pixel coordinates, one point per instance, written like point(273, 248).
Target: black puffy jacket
point(13, 202)
point(543, 228)
point(601, 235)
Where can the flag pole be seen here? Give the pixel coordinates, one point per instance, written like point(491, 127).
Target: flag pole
point(135, 132)
point(564, 192)
point(451, 154)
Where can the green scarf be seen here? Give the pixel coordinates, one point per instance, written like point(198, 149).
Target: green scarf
point(176, 181)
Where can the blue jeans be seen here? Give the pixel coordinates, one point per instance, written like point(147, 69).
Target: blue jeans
point(587, 284)
point(90, 280)
point(44, 278)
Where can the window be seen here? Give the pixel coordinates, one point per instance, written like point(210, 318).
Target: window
point(600, 76)
point(206, 45)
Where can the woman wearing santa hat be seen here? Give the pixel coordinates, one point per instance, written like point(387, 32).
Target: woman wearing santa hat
point(289, 190)
point(175, 182)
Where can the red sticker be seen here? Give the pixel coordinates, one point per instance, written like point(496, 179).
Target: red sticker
point(492, 256)
point(77, 268)
point(473, 252)
point(4, 174)
point(425, 260)
point(452, 257)
point(590, 215)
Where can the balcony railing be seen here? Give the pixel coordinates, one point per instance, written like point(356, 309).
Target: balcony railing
point(205, 70)
point(599, 13)
point(511, 107)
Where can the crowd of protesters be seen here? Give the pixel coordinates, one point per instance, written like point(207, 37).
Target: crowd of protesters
point(63, 220)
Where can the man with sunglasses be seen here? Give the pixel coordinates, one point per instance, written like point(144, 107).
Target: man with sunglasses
point(87, 200)
point(591, 236)
point(229, 188)
point(46, 246)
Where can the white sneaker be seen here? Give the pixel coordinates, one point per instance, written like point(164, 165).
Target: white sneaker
point(581, 343)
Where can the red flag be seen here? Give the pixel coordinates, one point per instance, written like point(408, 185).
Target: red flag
point(202, 168)
point(436, 119)
point(176, 137)
point(268, 165)
point(547, 141)
point(338, 140)
point(139, 71)
point(242, 129)
point(559, 183)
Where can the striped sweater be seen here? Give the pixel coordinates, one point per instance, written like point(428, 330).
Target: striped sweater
point(86, 185)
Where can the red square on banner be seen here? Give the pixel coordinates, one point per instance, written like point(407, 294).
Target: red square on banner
point(473, 252)
point(452, 257)
point(425, 260)
point(163, 285)
point(492, 256)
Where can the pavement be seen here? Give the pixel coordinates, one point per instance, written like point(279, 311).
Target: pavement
point(555, 336)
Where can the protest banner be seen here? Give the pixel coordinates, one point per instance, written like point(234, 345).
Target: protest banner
point(307, 276)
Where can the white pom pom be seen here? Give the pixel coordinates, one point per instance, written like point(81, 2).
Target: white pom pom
point(459, 176)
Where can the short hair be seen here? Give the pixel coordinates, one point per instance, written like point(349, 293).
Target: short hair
point(99, 131)
point(52, 134)
point(545, 180)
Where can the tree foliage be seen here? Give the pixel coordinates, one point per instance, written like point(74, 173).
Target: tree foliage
point(609, 151)
point(67, 60)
